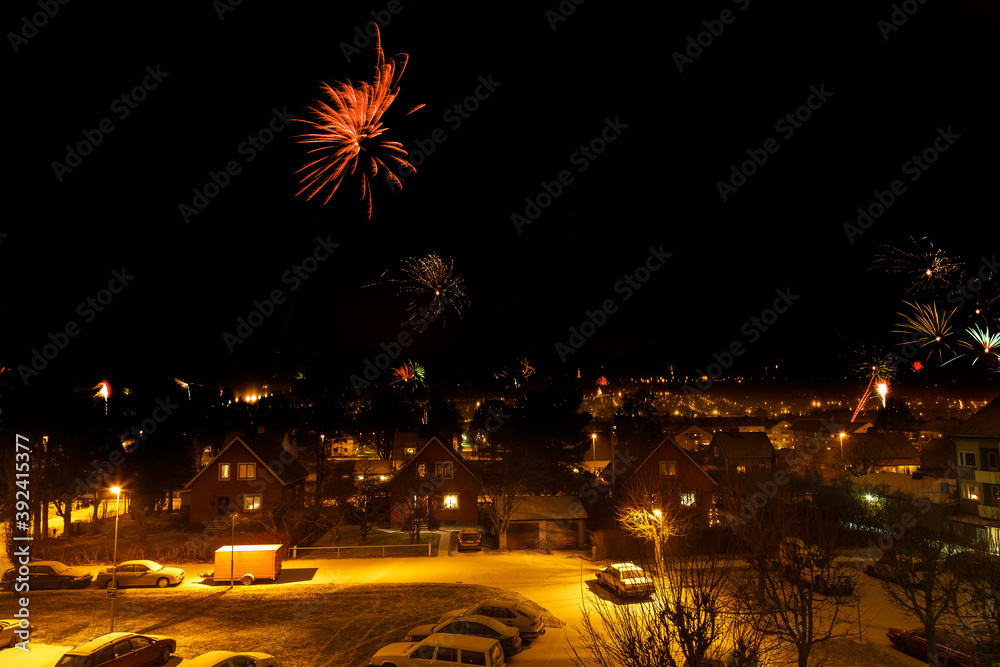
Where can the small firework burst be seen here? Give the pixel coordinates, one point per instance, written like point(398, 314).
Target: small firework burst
point(346, 133)
point(516, 374)
point(410, 374)
point(929, 328)
point(924, 266)
point(917, 366)
point(882, 389)
point(986, 299)
point(432, 277)
point(875, 364)
point(602, 381)
point(984, 345)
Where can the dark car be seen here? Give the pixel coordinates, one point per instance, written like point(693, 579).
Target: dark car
point(125, 649)
point(952, 648)
point(887, 566)
point(47, 574)
point(476, 626)
point(470, 538)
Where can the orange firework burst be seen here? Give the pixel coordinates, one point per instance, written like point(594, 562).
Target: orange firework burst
point(347, 130)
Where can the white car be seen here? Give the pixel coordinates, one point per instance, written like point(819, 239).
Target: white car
point(626, 579)
point(230, 659)
point(512, 614)
point(140, 573)
point(7, 628)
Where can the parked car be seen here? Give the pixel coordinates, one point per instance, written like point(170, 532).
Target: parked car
point(230, 659)
point(7, 634)
point(476, 626)
point(125, 649)
point(807, 564)
point(886, 567)
point(441, 650)
point(952, 648)
point(514, 614)
point(626, 580)
point(48, 574)
point(140, 573)
point(470, 538)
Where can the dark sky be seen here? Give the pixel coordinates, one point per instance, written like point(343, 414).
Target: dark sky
point(885, 95)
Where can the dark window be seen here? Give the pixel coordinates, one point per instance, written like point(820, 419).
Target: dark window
point(473, 657)
point(106, 655)
point(447, 654)
point(122, 648)
point(423, 652)
point(139, 643)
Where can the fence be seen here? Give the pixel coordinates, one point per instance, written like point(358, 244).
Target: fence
point(375, 551)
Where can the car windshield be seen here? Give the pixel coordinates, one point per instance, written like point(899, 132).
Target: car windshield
point(155, 567)
point(72, 661)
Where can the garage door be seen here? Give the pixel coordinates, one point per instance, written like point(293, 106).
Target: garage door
point(523, 535)
point(563, 536)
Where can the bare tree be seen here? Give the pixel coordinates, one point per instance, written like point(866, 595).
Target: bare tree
point(366, 501)
point(505, 477)
point(977, 601)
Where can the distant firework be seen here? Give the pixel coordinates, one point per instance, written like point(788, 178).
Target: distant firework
point(516, 374)
point(410, 374)
point(434, 278)
point(877, 366)
point(346, 130)
point(984, 345)
point(929, 328)
point(923, 266)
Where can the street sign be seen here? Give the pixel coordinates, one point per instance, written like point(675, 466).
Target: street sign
point(112, 593)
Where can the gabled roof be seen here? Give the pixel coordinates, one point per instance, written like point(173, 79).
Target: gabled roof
point(984, 424)
point(451, 452)
point(646, 453)
point(891, 446)
point(267, 449)
point(744, 445)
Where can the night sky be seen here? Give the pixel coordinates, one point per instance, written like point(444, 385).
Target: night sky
point(880, 94)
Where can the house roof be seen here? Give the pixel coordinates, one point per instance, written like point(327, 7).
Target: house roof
point(646, 452)
point(892, 445)
point(266, 448)
point(744, 445)
point(542, 508)
point(451, 452)
point(985, 423)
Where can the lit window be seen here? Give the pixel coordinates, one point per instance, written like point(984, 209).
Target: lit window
point(223, 471)
point(967, 459)
point(741, 469)
point(421, 470)
point(450, 501)
point(668, 468)
point(247, 471)
point(411, 450)
point(970, 492)
point(251, 502)
point(443, 470)
point(687, 499)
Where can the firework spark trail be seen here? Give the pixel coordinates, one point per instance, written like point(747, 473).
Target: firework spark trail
point(924, 266)
point(411, 373)
point(927, 327)
point(516, 374)
point(346, 133)
point(878, 367)
point(432, 276)
point(983, 343)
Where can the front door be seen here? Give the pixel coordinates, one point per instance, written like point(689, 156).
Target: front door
point(223, 505)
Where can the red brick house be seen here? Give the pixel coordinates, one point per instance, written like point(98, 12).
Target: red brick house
point(250, 474)
point(438, 473)
point(668, 471)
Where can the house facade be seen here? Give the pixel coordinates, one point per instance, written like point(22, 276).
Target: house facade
point(738, 453)
point(438, 475)
point(977, 459)
point(248, 475)
point(667, 471)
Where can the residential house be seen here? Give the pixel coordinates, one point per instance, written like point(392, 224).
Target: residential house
point(692, 438)
point(977, 455)
point(250, 474)
point(779, 433)
point(437, 474)
point(737, 453)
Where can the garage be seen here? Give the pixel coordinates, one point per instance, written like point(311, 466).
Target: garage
point(522, 535)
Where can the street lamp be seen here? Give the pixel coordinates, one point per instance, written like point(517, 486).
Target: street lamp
point(842, 450)
point(114, 559)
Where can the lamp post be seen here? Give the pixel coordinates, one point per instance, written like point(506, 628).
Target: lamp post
point(114, 559)
point(232, 550)
point(658, 535)
point(842, 450)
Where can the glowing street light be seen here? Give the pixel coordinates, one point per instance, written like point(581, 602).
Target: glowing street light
point(114, 559)
point(232, 550)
